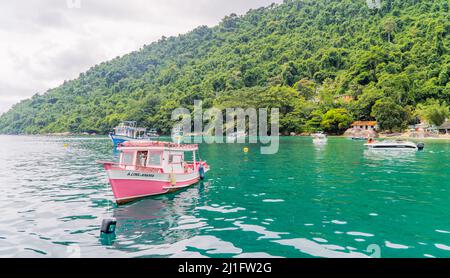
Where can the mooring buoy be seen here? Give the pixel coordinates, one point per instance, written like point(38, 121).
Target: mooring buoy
point(201, 172)
point(108, 226)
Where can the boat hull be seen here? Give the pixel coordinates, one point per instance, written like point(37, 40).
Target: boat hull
point(119, 139)
point(391, 147)
point(130, 185)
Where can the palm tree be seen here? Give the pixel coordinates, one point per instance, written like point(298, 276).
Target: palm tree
point(389, 26)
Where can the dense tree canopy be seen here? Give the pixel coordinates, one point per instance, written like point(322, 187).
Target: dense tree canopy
point(433, 111)
point(314, 59)
point(336, 120)
point(390, 115)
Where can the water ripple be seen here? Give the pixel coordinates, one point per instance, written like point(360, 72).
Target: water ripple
point(333, 200)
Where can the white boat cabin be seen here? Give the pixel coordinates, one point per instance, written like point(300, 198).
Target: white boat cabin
point(160, 157)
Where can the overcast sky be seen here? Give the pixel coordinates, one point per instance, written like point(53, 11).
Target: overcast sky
point(44, 42)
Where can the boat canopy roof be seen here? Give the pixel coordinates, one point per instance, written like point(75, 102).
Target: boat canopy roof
point(445, 125)
point(156, 145)
point(128, 123)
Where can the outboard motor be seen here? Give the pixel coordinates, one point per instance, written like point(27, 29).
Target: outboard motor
point(201, 172)
point(420, 146)
point(108, 226)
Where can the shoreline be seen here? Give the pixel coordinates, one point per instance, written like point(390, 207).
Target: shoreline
point(381, 136)
point(406, 136)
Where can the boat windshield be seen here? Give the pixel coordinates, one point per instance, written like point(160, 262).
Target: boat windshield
point(154, 159)
point(127, 159)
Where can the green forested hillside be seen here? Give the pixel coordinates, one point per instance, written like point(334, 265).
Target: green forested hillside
point(324, 62)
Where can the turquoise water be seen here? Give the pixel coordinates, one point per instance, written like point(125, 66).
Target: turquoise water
point(335, 200)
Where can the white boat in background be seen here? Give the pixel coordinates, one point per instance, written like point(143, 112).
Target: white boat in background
point(232, 137)
point(319, 138)
point(127, 131)
point(153, 133)
point(394, 144)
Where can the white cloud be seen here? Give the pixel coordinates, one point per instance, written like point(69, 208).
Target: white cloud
point(44, 42)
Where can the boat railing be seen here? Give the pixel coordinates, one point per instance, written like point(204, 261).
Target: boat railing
point(108, 162)
point(159, 144)
point(150, 169)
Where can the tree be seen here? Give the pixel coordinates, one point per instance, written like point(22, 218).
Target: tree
point(433, 111)
point(389, 26)
point(363, 106)
point(335, 49)
point(280, 97)
point(306, 88)
point(289, 74)
point(396, 86)
point(336, 120)
point(389, 115)
point(314, 121)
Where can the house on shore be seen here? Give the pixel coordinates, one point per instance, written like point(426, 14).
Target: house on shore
point(365, 125)
point(362, 129)
point(444, 128)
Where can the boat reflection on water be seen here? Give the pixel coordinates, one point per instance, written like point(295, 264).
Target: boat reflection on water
point(157, 219)
point(391, 155)
point(162, 207)
point(146, 209)
point(320, 145)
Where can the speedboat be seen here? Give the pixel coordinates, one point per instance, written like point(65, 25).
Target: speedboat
point(394, 144)
point(127, 131)
point(233, 136)
point(147, 168)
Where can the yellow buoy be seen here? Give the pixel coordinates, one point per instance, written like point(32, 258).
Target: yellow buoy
point(245, 150)
point(66, 145)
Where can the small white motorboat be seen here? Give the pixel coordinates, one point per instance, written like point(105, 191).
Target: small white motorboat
point(234, 136)
point(319, 137)
point(394, 144)
point(153, 133)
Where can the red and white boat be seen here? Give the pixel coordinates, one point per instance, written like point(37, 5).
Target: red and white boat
point(152, 168)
